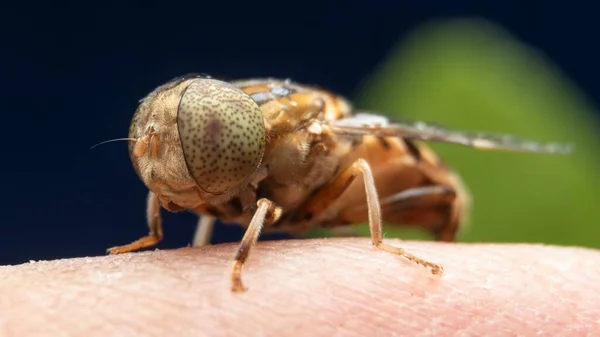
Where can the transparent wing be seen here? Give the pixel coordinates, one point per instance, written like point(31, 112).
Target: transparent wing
point(372, 124)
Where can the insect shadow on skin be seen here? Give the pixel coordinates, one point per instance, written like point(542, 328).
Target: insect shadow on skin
point(277, 156)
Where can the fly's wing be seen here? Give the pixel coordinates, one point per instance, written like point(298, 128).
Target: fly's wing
point(372, 124)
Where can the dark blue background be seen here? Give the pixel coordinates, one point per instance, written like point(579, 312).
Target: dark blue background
point(72, 74)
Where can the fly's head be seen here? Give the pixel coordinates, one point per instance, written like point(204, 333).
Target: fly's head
point(196, 136)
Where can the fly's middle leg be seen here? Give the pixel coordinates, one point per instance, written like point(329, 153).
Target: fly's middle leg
point(266, 213)
point(155, 225)
point(204, 230)
point(374, 210)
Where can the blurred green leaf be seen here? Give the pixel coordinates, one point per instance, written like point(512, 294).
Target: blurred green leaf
point(471, 74)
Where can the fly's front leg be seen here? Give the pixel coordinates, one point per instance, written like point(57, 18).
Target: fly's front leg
point(266, 213)
point(375, 220)
point(154, 223)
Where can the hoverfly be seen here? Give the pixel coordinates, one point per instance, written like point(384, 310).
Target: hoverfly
point(274, 155)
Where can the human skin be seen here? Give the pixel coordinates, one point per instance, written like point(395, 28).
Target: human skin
point(316, 287)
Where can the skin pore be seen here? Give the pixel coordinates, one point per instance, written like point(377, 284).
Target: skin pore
point(317, 287)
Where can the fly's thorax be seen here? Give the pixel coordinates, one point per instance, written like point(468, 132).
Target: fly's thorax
point(301, 162)
point(198, 140)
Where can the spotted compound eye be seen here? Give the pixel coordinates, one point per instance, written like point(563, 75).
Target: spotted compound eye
point(222, 134)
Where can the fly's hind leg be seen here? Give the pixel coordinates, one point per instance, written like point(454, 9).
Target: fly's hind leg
point(437, 208)
point(375, 227)
point(155, 225)
point(265, 213)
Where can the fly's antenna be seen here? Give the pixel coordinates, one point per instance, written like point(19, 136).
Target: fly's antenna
point(113, 140)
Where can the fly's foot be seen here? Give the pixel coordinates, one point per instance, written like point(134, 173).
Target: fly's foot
point(435, 269)
point(146, 241)
point(237, 286)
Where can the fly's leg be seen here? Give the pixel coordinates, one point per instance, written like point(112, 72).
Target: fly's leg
point(329, 194)
point(375, 220)
point(431, 206)
point(321, 206)
point(404, 198)
point(155, 225)
point(266, 213)
point(204, 230)
point(323, 200)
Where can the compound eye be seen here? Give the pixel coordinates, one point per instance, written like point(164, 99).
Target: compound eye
point(222, 134)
